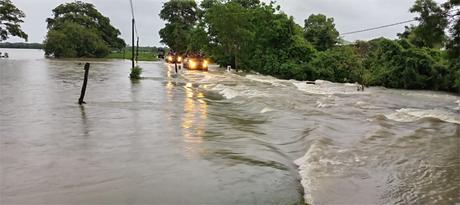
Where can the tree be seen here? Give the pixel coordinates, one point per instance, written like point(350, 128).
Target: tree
point(10, 19)
point(79, 30)
point(321, 32)
point(181, 17)
point(432, 24)
point(87, 15)
point(453, 44)
point(247, 3)
point(74, 40)
point(229, 29)
point(340, 64)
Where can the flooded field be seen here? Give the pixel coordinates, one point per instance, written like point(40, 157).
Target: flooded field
point(217, 138)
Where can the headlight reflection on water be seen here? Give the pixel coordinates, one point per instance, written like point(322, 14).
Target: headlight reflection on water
point(194, 120)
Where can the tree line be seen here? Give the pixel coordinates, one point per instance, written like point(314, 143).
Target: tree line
point(258, 36)
point(22, 45)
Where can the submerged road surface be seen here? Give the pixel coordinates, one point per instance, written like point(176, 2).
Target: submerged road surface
point(217, 138)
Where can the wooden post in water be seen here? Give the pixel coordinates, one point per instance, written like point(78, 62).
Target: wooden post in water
point(85, 82)
point(132, 45)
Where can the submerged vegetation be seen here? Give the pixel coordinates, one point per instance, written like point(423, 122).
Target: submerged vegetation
point(135, 73)
point(252, 35)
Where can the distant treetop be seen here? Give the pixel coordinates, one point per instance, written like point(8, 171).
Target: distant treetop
point(10, 19)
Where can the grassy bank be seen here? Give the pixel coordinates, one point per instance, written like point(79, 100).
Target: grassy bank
point(143, 55)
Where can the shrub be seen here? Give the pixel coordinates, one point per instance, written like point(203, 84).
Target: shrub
point(135, 73)
point(340, 64)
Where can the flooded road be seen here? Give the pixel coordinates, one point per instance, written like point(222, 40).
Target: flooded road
point(217, 138)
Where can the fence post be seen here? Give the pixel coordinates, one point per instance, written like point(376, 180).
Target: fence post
point(85, 82)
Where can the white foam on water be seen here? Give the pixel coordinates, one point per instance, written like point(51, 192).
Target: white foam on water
point(266, 79)
point(322, 87)
point(320, 104)
point(307, 165)
point(226, 91)
point(266, 109)
point(365, 105)
point(412, 115)
point(230, 92)
point(324, 162)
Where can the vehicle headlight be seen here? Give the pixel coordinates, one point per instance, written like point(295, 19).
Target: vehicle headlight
point(192, 64)
point(179, 59)
point(170, 58)
point(205, 63)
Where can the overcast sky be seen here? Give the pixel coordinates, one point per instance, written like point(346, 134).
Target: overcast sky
point(349, 15)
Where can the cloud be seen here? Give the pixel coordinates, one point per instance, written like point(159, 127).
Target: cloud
point(349, 15)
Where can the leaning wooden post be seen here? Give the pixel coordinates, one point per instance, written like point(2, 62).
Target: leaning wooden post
point(85, 82)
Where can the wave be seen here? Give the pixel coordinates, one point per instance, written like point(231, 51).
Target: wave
point(322, 87)
point(412, 115)
point(365, 105)
point(266, 79)
point(230, 92)
point(266, 110)
point(320, 104)
point(307, 164)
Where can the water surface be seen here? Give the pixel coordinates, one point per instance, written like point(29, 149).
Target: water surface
point(217, 138)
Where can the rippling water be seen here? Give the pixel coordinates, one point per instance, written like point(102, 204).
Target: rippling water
point(218, 138)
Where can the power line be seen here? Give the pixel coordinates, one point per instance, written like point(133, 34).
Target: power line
point(394, 24)
point(132, 14)
point(379, 27)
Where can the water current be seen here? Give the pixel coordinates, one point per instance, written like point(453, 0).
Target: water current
point(217, 137)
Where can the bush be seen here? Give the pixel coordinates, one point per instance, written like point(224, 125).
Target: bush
point(399, 64)
point(136, 73)
point(340, 64)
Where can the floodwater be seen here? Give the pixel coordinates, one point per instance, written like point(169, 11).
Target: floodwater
point(217, 138)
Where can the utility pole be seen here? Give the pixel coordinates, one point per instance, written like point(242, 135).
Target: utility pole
point(132, 45)
point(137, 49)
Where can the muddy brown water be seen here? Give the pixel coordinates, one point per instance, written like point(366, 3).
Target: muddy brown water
point(217, 138)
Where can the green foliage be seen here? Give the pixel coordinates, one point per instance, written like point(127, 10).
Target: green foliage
point(341, 64)
point(229, 29)
point(401, 65)
point(74, 40)
point(79, 30)
point(432, 25)
point(87, 15)
point(135, 73)
point(252, 35)
point(181, 17)
point(10, 19)
point(197, 39)
point(453, 44)
point(321, 32)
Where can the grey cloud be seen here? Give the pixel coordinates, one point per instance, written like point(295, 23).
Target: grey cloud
point(349, 15)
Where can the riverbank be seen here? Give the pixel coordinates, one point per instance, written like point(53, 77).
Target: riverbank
point(143, 56)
